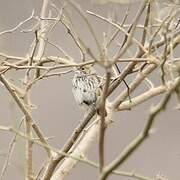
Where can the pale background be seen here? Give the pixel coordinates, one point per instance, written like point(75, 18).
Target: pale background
point(57, 113)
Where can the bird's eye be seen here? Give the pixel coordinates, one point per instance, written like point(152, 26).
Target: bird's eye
point(83, 68)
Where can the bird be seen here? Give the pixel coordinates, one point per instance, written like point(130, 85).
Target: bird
point(86, 87)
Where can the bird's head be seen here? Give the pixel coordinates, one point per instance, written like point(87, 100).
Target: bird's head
point(86, 69)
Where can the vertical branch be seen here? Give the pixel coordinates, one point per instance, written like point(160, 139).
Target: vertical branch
point(42, 43)
point(103, 113)
point(164, 60)
point(146, 22)
point(26, 100)
point(29, 154)
point(10, 152)
point(40, 50)
point(29, 144)
point(42, 37)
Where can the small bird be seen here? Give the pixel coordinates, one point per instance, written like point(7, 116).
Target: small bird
point(86, 87)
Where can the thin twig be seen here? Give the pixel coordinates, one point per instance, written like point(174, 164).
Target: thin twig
point(9, 153)
point(83, 15)
point(118, 27)
point(118, 30)
point(164, 60)
point(18, 25)
point(137, 81)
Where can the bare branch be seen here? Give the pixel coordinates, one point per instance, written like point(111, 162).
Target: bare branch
point(10, 151)
point(19, 25)
point(25, 111)
point(103, 114)
point(128, 151)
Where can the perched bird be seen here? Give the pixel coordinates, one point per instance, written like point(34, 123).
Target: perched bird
point(86, 87)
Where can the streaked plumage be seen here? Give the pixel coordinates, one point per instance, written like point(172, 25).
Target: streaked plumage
point(86, 87)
